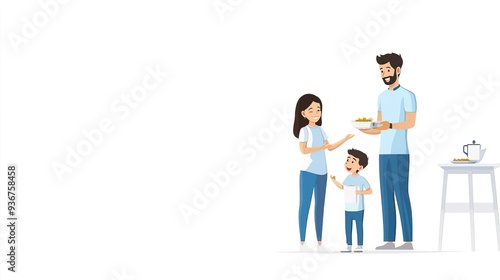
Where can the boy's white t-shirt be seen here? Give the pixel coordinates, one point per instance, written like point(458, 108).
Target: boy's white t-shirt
point(361, 185)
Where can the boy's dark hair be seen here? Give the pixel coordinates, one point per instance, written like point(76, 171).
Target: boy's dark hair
point(394, 59)
point(362, 157)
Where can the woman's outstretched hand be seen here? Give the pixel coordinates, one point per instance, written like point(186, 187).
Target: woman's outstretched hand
point(336, 145)
point(348, 136)
point(342, 141)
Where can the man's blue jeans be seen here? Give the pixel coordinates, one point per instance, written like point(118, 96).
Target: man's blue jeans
point(394, 171)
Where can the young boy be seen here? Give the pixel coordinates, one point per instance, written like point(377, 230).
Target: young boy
point(356, 161)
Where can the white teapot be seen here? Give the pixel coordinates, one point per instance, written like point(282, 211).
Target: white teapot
point(474, 151)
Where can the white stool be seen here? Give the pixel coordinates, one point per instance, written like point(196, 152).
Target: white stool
point(471, 207)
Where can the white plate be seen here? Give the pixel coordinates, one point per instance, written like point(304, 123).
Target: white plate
point(464, 162)
point(364, 125)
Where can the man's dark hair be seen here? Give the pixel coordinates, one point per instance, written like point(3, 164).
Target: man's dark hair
point(362, 157)
point(394, 59)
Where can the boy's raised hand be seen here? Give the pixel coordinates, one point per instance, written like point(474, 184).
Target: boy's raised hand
point(337, 183)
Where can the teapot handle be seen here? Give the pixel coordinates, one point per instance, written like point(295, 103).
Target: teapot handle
point(466, 152)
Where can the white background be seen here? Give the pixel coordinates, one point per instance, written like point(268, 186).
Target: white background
point(116, 215)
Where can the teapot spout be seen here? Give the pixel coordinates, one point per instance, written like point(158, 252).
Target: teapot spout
point(483, 151)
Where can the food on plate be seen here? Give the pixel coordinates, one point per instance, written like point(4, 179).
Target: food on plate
point(363, 123)
point(461, 159)
point(363, 119)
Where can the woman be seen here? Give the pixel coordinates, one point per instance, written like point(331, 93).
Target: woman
point(312, 142)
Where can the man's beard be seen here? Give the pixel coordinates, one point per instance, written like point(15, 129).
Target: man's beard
point(391, 80)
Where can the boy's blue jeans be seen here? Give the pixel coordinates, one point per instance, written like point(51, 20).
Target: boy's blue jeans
point(351, 216)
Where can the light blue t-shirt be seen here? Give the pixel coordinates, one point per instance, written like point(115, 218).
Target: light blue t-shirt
point(394, 104)
point(314, 162)
point(361, 185)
